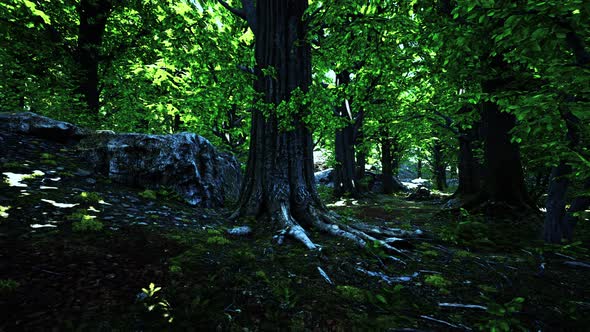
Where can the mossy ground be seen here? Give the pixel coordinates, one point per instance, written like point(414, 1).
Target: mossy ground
point(66, 280)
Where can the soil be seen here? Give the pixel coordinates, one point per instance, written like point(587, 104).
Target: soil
point(89, 267)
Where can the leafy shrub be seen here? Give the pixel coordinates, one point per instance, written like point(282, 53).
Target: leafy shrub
point(87, 224)
point(91, 197)
point(149, 194)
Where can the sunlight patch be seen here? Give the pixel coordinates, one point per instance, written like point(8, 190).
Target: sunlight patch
point(14, 179)
point(43, 226)
point(59, 205)
point(3, 209)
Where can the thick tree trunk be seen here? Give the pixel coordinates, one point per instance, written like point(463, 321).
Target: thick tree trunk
point(279, 177)
point(93, 15)
point(345, 181)
point(504, 178)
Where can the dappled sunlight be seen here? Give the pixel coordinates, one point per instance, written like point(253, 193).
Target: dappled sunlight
point(35, 226)
point(15, 179)
point(59, 205)
point(3, 209)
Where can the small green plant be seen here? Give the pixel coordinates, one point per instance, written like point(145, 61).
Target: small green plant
point(91, 197)
point(503, 316)
point(219, 240)
point(154, 303)
point(3, 209)
point(326, 193)
point(87, 224)
point(149, 194)
point(48, 159)
point(438, 281)
point(8, 286)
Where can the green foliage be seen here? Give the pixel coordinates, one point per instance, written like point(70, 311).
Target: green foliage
point(8, 286)
point(149, 194)
point(438, 281)
point(218, 240)
point(503, 316)
point(3, 211)
point(90, 197)
point(155, 304)
point(87, 224)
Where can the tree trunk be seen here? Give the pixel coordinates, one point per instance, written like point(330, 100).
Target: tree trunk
point(386, 163)
point(469, 181)
point(344, 172)
point(438, 166)
point(504, 178)
point(419, 169)
point(93, 15)
point(361, 155)
point(555, 227)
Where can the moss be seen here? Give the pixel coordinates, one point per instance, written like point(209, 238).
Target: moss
point(437, 281)
point(220, 240)
point(87, 224)
point(91, 197)
point(351, 293)
point(149, 194)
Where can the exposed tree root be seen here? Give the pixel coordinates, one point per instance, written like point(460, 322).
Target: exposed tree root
point(329, 222)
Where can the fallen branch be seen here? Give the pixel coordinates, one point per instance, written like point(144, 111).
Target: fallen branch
point(577, 264)
point(459, 305)
point(445, 322)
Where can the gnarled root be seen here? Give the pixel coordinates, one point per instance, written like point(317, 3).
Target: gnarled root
point(328, 222)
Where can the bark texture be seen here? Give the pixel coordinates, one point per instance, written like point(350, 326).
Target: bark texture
point(93, 16)
point(345, 181)
point(279, 178)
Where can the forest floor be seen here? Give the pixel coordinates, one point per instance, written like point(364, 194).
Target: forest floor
point(77, 250)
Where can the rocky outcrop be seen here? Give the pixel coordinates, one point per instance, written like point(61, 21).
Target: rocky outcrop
point(186, 162)
point(29, 123)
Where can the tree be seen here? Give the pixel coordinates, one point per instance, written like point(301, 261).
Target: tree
point(279, 176)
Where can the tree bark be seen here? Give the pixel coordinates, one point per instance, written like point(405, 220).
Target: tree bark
point(469, 180)
point(438, 166)
point(345, 181)
point(93, 15)
point(503, 178)
point(279, 178)
point(386, 163)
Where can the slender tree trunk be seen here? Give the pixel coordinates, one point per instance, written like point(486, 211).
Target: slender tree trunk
point(361, 155)
point(93, 15)
point(469, 181)
point(419, 169)
point(386, 163)
point(438, 166)
point(554, 228)
point(344, 173)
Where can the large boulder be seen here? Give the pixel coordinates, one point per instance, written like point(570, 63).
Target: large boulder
point(186, 162)
point(29, 123)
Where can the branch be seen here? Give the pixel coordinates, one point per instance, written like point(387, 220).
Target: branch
point(239, 13)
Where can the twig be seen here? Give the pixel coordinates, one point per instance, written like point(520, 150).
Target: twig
point(444, 322)
point(460, 305)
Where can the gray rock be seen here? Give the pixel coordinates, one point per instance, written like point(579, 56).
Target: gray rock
point(186, 162)
point(325, 177)
point(36, 125)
